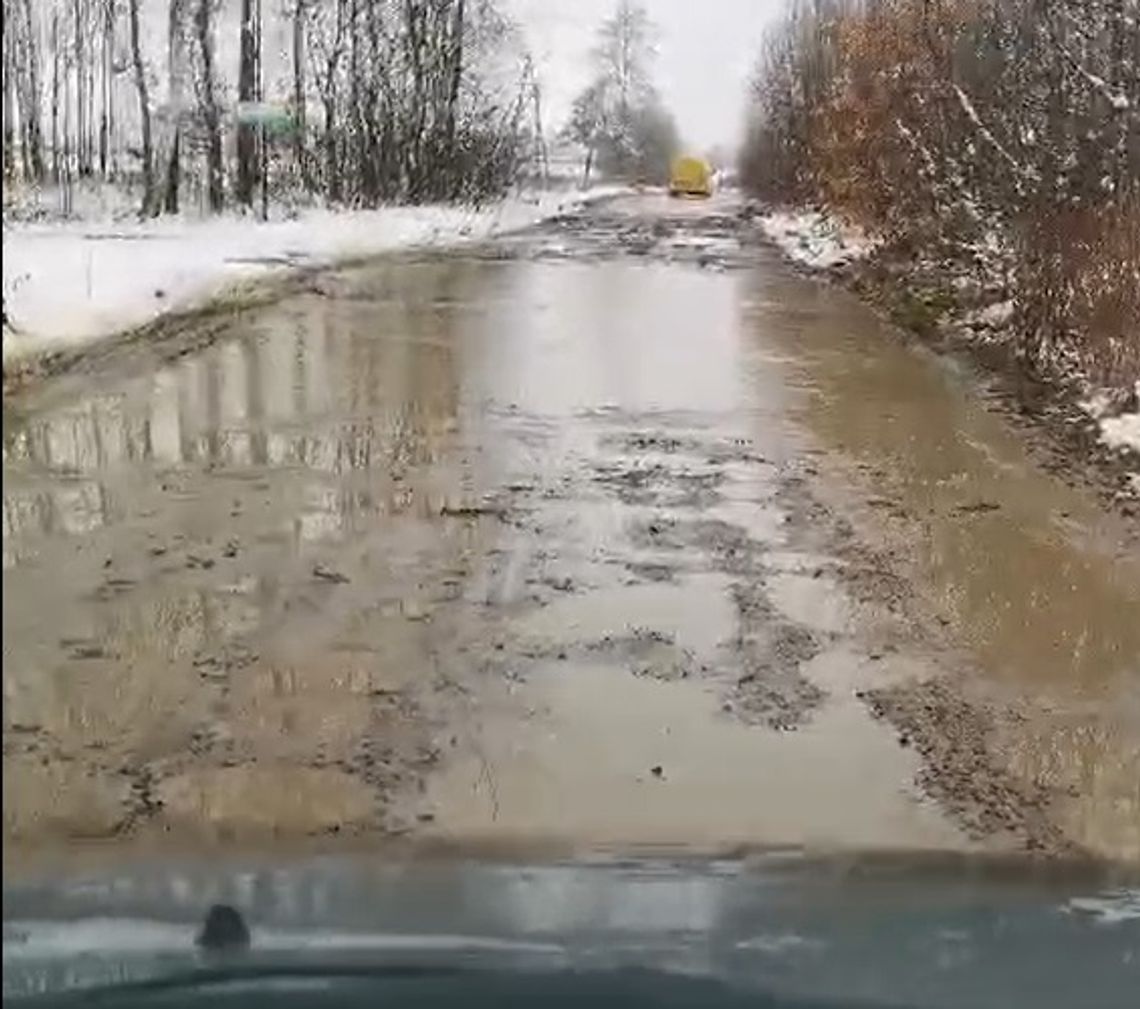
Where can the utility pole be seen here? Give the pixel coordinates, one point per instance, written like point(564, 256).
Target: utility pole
point(536, 99)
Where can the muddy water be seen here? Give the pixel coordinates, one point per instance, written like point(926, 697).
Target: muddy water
point(1038, 587)
point(596, 538)
point(1040, 583)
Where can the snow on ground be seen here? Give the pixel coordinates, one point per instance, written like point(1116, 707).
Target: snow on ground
point(993, 316)
point(1121, 431)
point(815, 239)
point(1097, 405)
point(71, 282)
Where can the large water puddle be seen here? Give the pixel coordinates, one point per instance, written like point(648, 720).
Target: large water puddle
point(531, 529)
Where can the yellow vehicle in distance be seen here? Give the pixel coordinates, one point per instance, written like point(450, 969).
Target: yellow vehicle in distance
point(690, 177)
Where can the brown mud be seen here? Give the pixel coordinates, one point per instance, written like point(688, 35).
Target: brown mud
point(610, 535)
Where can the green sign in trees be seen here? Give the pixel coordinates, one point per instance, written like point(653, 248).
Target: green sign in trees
point(276, 120)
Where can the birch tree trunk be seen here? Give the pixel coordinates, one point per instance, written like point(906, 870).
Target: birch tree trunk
point(300, 150)
point(176, 64)
point(33, 111)
point(211, 115)
point(247, 92)
point(144, 107)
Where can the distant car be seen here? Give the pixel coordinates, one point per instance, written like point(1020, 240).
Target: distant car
point(690, 177)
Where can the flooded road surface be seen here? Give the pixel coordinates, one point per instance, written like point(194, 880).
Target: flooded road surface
point(610, 535)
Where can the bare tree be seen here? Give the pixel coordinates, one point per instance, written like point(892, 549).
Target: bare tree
point(588, 125)
point(247, 93)
point(31, 59)
point(55, 86)
point(11, 118)
point(998, 137)
point(144, 105)
point(208, 104)
point(330, 43)
point(408, 110)
point(107, 24)
point(22, 126)
point(618, 117)
point(300, 149)
point(625, 53)
point(176, 61)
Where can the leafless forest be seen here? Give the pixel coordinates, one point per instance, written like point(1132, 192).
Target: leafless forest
point(199, 103)
point(619, 118)
point(993, 144)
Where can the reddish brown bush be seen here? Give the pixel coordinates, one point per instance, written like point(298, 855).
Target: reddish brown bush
point(998, 137)
point(1078, 290)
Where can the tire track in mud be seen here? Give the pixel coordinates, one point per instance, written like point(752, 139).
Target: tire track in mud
point(951, 718)
point(670, 476)
point(668, 480)
point(653, 516)
point(663, 487)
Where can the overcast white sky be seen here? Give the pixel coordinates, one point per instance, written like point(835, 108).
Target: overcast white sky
point(706, 52)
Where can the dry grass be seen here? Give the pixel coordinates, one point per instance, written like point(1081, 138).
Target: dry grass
point(1079, 289)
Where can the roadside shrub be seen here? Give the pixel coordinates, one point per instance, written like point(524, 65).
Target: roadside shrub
point(1078, 290)
point(997, 138)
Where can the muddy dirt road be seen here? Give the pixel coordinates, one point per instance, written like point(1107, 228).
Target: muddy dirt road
point(609, 535)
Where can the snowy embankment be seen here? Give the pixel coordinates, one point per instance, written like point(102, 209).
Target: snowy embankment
point(73, 282)
point(815, 239)
point(1120, 431)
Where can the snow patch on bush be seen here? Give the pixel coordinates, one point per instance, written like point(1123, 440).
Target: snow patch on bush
point(1121, 432)
point(1117, 430)
point(815, 239)
point(993, 316)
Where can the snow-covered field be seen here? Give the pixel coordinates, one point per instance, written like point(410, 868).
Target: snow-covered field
point(815, 239)
point(67, 283)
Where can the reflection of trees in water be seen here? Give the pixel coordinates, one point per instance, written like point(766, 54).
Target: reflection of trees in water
point(98, 432)
point(108, 700)
point(177, 625)
point(73, 508)
point(322, 385)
